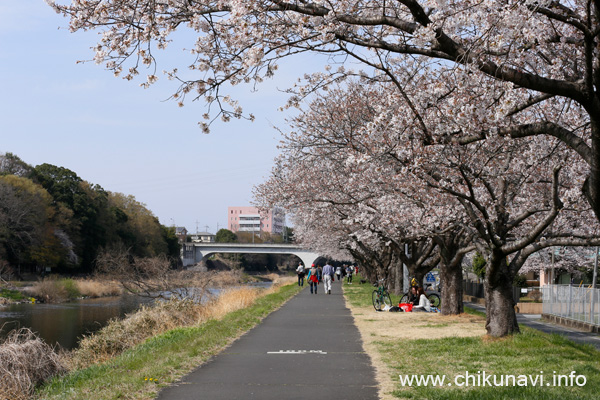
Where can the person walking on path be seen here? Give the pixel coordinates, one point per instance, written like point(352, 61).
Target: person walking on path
point(349, 272)
point(301, 272)
point(313, 278)
point(327, 277)
point(338, 272)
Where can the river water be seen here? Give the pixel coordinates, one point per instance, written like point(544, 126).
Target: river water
point(65, 323)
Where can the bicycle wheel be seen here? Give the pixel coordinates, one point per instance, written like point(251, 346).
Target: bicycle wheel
point(387, 300)
point(435, 300)
point(404, 299)
point(376, 300)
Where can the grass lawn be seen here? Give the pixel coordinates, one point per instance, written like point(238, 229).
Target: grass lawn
point(405, 344)
point(140, 372)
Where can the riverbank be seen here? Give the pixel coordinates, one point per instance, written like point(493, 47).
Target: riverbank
point(140, 371)
point(57, 289)
point(402, 345)
point(11, 295)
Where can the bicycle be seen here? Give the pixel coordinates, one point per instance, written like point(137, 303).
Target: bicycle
point(381, 297)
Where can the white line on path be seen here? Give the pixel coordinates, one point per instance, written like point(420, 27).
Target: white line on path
point(297, 352)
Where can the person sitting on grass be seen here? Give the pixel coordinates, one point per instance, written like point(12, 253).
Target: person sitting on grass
point(413, 297)
point(424, 303)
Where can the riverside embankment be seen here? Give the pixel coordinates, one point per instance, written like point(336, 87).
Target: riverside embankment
point(62, 310)
point(140, 370)
point(65, 323)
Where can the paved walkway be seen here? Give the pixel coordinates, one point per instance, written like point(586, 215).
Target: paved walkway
point(308, 349)
point(535, 321)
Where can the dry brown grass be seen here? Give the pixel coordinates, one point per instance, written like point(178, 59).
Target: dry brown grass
point(120, 335)
point(282, 280)
point(55, 290)
point(49, 291)
point(232, 300)
point(25, 362)
point(98, 288)
point(272, 276)
point(220, 279)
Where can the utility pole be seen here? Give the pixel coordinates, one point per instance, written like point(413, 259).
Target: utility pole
point(552, 270)
point(406, 281)
point(594, 290)
point(595, 276)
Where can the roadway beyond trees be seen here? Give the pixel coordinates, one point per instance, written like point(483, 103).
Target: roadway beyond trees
point(308, 349)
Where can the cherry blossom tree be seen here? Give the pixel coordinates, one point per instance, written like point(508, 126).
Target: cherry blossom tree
point(544, 54)
point(571, 260)
point(510, 191)
point(519, 75)
point(332, 160)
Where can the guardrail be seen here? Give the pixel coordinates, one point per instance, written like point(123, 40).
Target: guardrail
point(578, 303)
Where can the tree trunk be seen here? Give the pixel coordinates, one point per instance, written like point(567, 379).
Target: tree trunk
point(419, 276)
point(591, 187)
point(397, 277)
point(451, 275)
point(501, 319)
point(369, 271)
point(399, 280)
point(452, 289)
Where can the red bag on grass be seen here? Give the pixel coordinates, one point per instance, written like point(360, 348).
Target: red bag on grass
point(406, 307)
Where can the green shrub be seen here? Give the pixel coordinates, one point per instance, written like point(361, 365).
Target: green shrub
point(71, 288)
point(12, 294)
point(479, 265)
point(520, 281)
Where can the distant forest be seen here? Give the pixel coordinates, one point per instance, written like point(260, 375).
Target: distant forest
point(51, 218)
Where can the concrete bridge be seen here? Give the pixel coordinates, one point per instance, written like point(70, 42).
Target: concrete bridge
point(193, 253)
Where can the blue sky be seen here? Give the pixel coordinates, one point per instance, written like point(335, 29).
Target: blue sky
point(124, 138)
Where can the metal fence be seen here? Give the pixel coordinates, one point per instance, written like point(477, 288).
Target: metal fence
point(572, 302)
point(474, 289)
point(477, 290)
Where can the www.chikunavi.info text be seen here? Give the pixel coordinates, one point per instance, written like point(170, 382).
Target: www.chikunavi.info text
point(484, 379)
